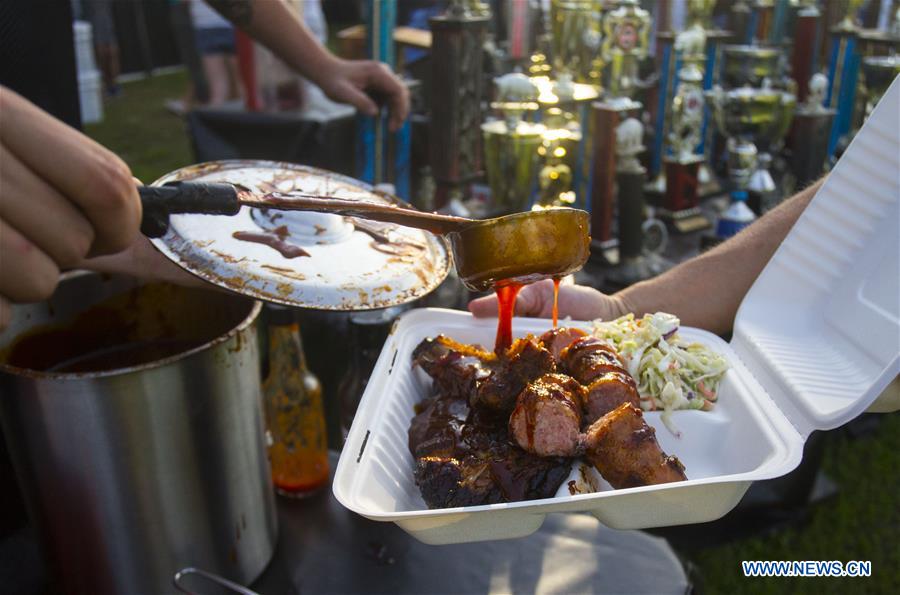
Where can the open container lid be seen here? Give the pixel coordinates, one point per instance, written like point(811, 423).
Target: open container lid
point(344, 268)
point(820, 327)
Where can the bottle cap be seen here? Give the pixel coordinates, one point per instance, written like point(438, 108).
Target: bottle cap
point(738, 196)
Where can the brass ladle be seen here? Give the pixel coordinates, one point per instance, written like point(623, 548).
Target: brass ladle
point(518, 248)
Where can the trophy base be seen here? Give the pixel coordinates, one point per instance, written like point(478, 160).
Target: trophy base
point(685, 220)
point(707, 184)
point(682, 183)
point(635, 269)
point(656, 188)
point(605, 252)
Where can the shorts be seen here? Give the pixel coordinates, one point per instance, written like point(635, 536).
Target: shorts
point(218, 40)
point(99, 14)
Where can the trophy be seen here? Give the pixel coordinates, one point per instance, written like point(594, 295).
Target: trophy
point(752, 20)
point(559, 153)
point(806, 36)
point(843, 73)
point(511, 145)
point(749, 65)
point(636, 262)
point(575, 38)
point(456, 91)
point(749, 117)
point(680, 201)
point(739, 21)
point(564, 106)
point(696, 44)
point(849, 8)
point(809, 134)
point(878, 73)
point(605, 119)
point(625, 43)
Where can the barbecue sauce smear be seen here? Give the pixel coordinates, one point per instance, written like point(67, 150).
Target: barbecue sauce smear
point(276, 240)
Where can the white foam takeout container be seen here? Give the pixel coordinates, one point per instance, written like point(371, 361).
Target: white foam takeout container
point(816, 340)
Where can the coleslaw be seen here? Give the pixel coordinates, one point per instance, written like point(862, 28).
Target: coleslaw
point(671, 373)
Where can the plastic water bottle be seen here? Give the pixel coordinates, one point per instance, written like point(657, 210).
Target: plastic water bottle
point(736, 217)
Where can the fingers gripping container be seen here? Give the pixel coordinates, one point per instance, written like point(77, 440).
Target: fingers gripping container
point(816, 340)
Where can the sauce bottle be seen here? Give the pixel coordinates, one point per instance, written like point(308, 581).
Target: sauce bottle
point(295, 416)
point(368, 332)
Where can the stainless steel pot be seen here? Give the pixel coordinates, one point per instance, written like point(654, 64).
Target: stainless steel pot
point(134, 473)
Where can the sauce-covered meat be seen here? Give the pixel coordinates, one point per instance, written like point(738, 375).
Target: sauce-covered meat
point(547, 417)
point(624, 450)
point(506, 427)
point(523, 362)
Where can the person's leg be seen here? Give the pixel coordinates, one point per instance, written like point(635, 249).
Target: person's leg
point(106, 47)
point(236, 90)
point(215, 67)
point(215, 45)
point(113, 87)
point(187, 49)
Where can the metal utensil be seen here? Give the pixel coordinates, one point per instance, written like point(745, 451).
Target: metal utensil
point(179, 579)
point(353, 264)
point(523, 247)
point(145, 466)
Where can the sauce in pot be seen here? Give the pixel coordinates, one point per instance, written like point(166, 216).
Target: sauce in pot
point(136, 327)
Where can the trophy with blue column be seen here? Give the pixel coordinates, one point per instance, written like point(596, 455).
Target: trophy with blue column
point(700, 44)
point(383, 156)
point(843, 73)
point(681, 198)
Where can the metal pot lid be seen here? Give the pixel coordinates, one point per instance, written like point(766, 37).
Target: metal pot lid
point(327, 262)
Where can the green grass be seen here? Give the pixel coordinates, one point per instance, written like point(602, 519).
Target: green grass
point(861, 523)
point(139, 128)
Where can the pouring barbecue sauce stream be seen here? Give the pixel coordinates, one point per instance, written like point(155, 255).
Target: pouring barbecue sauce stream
point(507, 291)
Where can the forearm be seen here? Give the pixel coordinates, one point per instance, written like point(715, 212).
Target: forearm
point(706, 291)
point(276, 26)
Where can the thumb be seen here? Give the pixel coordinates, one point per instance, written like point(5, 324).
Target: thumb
point(484, 307)
point(528, 302)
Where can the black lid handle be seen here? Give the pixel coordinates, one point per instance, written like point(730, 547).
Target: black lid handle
point(159, 202)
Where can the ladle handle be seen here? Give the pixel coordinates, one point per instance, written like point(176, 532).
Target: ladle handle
point(433, 222)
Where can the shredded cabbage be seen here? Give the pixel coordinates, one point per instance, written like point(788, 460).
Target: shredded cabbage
point(671, 373)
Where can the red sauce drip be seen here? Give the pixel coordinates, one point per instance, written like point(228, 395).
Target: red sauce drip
point(506, 305)
point(555, 302)
point(275, 241)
